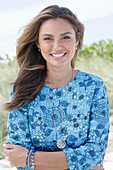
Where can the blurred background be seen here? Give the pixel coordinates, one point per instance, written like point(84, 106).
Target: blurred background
point(96, 56)
point(97, 16)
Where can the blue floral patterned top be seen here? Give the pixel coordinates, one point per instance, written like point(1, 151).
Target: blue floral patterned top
point(87, 127)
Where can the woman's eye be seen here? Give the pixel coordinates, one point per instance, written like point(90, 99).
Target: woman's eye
point(47, 38)
point(66, 37)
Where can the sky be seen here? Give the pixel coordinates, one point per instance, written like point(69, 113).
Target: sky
point(96, 15)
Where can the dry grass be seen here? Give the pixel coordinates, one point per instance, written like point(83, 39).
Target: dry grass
point(7, 75)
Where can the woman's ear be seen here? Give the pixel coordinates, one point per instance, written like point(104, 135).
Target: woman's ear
point(37, 44)
point(77, 42)
point(77, 38)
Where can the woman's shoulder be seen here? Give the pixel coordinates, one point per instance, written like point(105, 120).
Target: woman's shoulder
point(89, 77)
point(90, 80)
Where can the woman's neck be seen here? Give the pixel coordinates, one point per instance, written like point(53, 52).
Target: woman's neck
point(58, 77)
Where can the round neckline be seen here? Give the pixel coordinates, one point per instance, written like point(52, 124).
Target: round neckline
point(66, 84)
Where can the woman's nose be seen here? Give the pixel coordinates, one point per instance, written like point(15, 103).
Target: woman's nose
point(57, 44)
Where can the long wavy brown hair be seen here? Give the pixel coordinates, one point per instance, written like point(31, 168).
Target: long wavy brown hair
point(32, 65)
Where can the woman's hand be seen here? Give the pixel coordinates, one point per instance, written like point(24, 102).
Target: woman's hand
point(16, 154)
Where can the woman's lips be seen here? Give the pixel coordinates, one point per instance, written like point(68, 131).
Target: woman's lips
point(58, 56)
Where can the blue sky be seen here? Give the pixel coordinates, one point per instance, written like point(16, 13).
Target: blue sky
point(97, 16)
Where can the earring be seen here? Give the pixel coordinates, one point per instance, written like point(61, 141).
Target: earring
point(39, 49)
point(76, 48)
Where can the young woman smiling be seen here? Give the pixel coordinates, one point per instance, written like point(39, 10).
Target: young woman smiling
point(58, 116)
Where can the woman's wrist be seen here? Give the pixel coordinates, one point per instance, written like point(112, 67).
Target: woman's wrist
point(51, 160)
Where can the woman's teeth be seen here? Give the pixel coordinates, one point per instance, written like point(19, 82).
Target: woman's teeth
point(58, 55)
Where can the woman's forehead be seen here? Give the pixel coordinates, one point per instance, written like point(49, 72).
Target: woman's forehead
point(58, 24)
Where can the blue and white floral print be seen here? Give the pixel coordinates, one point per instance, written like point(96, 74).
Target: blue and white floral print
point(87, 128)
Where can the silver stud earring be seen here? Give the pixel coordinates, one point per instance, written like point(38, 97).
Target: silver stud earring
point(76, 48)
point(39, 49)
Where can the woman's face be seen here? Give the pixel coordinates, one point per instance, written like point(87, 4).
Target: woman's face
point(57, 42)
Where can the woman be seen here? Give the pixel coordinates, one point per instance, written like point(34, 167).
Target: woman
point(60, 113)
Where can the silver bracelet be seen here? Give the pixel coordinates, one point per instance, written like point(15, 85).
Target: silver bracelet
point(32, 159)
point(27, 158)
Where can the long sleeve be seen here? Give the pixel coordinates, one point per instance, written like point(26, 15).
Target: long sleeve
point(18, 127)
point(92, 153)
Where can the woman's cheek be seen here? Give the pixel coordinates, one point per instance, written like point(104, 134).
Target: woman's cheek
point(45, 48)
point(70, 45)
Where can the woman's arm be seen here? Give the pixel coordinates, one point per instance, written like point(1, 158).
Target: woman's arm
point(18, 133)
point(43, 160)
point(92, 153)
point(56, 160)
point(18, 126)
point(51, 160)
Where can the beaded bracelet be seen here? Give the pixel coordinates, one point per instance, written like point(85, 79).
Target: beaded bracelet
point(27, 158)
point(32, 160)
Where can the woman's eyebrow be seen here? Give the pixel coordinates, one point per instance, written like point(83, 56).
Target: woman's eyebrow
point(47, 35)
point(60, 34)
point(65, 33)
